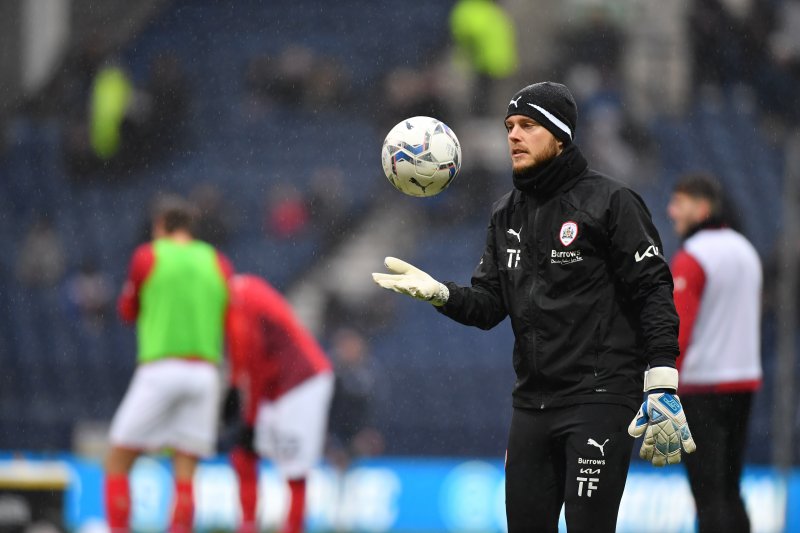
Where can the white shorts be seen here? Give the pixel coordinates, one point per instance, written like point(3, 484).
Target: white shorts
point(291, 430)
point(170, 404)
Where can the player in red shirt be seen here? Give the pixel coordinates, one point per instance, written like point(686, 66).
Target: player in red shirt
point(718, 283)
point(286, 383)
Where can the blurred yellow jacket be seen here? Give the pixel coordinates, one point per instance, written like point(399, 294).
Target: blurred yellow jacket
point(486, 37)
point(111, 94)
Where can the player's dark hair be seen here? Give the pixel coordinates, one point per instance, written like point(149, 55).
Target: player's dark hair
point(703, 186)
point(723, 209)
point(175, 213)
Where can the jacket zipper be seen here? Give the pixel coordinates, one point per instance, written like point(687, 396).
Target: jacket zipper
point(532, 297)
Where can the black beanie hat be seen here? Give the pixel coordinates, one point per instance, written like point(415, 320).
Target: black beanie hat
point(551, 105)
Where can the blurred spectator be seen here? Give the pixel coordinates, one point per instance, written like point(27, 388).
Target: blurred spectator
point(351, 425)
point(168, 94)
point(605, 145)
point(597, 42)
point(485, 38)
point(287, 214)
point(784, 41)
point(89, 291)
point(329, 204)
point(746, 46)
point(297, 77)
point(292, 74)
point(156, 113)
point(112, 92)
point(713, 32)
point(127, 126)
point(258, 79)
point(215, 218)
point(409, 92)
point(92, 142)
point(41, 259)
point(155, 116)
point(617, 144)
point(328, 85)
point(784, 46)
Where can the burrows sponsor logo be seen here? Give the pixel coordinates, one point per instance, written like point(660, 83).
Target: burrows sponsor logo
point(582, 461)
point(565, 257)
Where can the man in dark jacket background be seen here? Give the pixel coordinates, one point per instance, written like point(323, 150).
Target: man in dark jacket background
point(574, 259)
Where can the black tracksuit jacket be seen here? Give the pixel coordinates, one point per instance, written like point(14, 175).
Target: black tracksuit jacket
point(581, 273)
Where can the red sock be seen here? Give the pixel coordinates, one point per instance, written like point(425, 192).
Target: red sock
point(183, 511)
point(118, 502)
point(297, 508)
point(245, 464)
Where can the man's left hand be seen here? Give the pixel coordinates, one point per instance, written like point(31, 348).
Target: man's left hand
point(662, 421)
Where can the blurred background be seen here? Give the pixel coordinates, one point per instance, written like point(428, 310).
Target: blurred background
point(270, 116)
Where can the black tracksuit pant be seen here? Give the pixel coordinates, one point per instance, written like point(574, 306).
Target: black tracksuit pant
point(577, 456)
point(719, 427)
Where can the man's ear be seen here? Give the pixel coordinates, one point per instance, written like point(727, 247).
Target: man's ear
point(705, 209)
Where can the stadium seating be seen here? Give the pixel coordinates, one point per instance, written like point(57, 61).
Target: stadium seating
point(54, 372)
point(723, 136)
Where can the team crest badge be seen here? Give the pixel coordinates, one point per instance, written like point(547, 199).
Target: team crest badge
point(568, 233)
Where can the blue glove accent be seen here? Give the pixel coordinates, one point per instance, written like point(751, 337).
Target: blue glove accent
point(663, 423)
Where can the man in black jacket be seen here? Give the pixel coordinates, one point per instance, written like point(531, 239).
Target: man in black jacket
point(574, 259)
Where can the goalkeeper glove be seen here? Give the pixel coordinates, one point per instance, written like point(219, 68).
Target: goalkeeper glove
point(408, 279)
point(661, 419)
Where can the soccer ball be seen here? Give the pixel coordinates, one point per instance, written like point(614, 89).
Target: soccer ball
point(421, 156)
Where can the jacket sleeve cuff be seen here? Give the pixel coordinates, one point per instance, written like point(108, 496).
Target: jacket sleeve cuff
point(452, 298)
point(442, 295)
point(662, 360)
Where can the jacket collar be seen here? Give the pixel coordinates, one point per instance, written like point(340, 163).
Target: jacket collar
point(554, 177)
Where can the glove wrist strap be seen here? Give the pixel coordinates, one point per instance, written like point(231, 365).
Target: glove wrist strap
point(661, 377)
point(442, 295)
